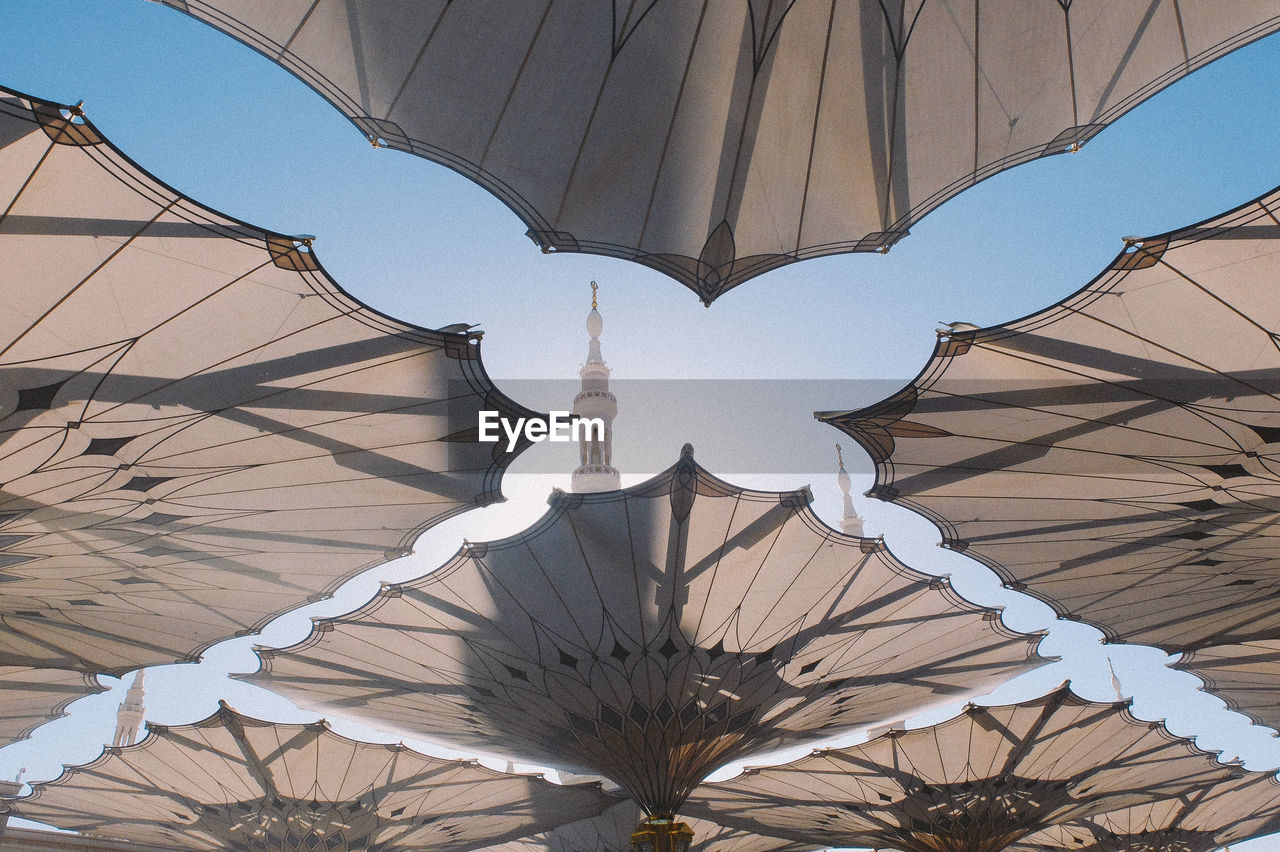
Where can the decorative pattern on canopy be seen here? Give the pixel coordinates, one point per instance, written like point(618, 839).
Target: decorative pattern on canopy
point(652, 635)
point(1200, 821)
point(975, 783)
point(714, 141)
point(1246, 676)
point(234, 782)
point(611, 832)
point(32, 696)
point(198, 428)
point(1116, 455)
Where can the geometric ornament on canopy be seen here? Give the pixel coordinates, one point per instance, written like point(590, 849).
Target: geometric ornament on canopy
point(652, 635)
point(32, 696)
point(977, 782)
point(234, 782)
point(1118, 454)
point(611, 832)
point(714, 141)
point(199, 429)
point(1198, 821)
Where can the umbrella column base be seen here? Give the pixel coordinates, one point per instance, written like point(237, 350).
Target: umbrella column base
point(661, 833)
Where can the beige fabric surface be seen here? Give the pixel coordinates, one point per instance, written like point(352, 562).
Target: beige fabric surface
point(1200, 821)
point(32, 696)
point(717, 139)
point(1118, 454)
point(651, 635)
point(975, 783)
point(1246, 676)
point(198, 428)
point(234, 782)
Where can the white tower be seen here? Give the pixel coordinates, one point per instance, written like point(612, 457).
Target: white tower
point(1115, 685)
point(129, 716)
point(595, 470)
point(850, 524)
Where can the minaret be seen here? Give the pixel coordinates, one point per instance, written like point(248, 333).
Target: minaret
point(850, 524)
point(595, 470)
point(129, 716)
point(1115, 681)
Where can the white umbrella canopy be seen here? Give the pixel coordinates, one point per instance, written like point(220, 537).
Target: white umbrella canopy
point(234, 782)
point(716, 140)
point(1117, 455)
point(1245, 675)
point(199, 429)
point(652, 635)
point(1198, 821)
point(977, 782)
point(32, 696)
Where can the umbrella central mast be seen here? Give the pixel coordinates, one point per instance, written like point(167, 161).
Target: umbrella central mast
point(661, 833)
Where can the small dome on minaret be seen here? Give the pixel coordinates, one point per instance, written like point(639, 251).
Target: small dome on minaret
point(595, 407)
point(850, 524)
point(129, 716)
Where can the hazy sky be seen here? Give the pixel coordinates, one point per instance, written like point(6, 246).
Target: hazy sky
point(226, 127)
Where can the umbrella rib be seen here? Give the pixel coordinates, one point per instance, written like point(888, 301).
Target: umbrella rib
point(27, 182)
point(417, 60)
point(1071, 61)
point(813, 133)
point(112, 256)
point(977, 83)
point(671, 126)
point(515, 83)
point(284, 48)
point(1129, 52)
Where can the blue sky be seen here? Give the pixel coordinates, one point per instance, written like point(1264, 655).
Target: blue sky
point(223, 125)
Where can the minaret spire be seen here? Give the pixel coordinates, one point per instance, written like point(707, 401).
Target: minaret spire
point(1115, 680)
point(595, 404)
point(129, 716)
point(850, 524)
